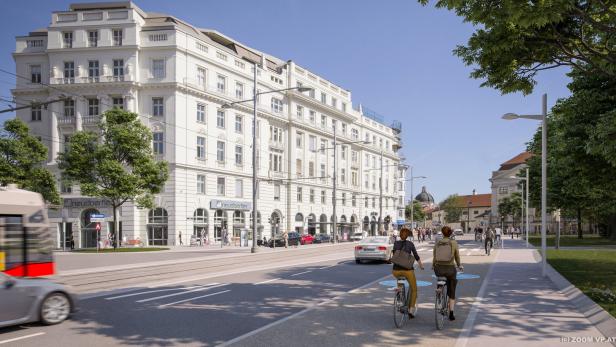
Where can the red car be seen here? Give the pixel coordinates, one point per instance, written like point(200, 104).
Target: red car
point(306, 239)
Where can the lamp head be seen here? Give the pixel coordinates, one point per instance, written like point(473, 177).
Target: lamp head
point(225, 106)
point(304, 89)
point(510, 116)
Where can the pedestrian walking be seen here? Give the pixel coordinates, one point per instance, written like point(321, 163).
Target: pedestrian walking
point(71, 242)
point(180, 235)
point(285, 236)
point(224, 236)
point(201, 236)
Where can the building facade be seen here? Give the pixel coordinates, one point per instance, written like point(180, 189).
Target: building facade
point(474, 212)
point(176, 76)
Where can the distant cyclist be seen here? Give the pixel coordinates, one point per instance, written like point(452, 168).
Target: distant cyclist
point(489, 239)
point(445, 257)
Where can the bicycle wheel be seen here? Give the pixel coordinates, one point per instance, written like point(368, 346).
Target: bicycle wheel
point(440, 306)
point(400, 314)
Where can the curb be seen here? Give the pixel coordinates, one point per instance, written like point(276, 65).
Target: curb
point(596, 315)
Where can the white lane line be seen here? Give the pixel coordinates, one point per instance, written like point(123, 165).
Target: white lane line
point(148, 292)
point(301, 273)
point(245, 270)
point(213, 285)
point(195, 298)
point(268, 281)
point(307, 309)
point(21, 338)
point(327, 267)
point(469, 324)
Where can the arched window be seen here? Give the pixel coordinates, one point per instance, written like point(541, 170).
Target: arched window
point(343, 219)
point(200, 216)
point(158, 216)
point(299, 217)
point(238, 217)
point(323, 224)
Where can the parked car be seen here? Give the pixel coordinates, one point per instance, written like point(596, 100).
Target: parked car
point(26, 300)
point(374, 248)
point(306, 239)
point(294, 240)
point(322, 238)
point(458, 232)
point(356, 236)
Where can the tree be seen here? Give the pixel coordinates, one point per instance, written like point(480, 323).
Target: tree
point(581, 155)
point(116, 165)
point(418, 212)
point(515, 40)
point(452, 206)
point(22, 160)
point(511, 206)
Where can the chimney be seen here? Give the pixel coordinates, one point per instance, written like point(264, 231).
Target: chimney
point(474, 192)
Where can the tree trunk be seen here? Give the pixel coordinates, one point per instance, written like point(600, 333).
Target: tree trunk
point(611, 227)
point(116, 227)
point(579, 223)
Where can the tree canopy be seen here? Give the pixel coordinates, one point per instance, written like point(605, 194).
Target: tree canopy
point(452, 206)
point(22, 161)
point(514, 40)
point(418, 212)
point(117, 164)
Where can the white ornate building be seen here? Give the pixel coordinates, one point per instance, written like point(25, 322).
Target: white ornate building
point(176, 77)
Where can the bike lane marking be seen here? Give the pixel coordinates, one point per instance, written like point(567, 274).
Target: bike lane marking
point(195, 298)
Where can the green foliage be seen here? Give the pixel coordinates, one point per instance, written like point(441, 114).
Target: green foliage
point(511, 205)
point(581, 151)
point(418, 212)
point(514, 40)
point(22, 160)
point(452, 206)
point(116, 165)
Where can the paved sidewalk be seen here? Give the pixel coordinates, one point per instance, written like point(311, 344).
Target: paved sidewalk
point(517, 306)
point(513, 306)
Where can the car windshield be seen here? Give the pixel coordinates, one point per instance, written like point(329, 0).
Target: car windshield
point(375, 240)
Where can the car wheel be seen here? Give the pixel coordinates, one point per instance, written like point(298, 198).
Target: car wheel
point(357, 261)
point(55, 308)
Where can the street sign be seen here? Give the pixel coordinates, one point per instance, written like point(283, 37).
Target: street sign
point(97, 217)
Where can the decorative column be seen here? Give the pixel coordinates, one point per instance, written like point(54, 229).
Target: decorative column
point(55, 134)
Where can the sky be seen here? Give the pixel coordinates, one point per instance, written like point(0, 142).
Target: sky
point(394, 56)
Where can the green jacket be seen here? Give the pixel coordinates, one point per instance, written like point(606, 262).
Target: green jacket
point(456, 254)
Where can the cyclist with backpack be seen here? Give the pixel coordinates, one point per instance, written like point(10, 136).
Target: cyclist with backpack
point(404, 255)
point(445, 257)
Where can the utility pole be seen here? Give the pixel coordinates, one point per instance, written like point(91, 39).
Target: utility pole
point(527, 201)
point(255, 182)
point(412, 200)
point(334, 224)
point(381, 197)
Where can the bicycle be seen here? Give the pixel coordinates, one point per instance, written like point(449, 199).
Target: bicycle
point(441, 303)
point(489, 246)
point(401, 298)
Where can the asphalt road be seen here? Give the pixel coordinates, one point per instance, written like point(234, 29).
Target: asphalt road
point(210, 302)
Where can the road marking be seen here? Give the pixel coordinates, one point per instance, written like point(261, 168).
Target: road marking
point(301, 273)
point(327, 267)
point(148, 292)
point(296, 314)
point(268, 281)
point(21, 338)
point(244, 270)
point(213, 285)
point(462, 339)
point(195, 298)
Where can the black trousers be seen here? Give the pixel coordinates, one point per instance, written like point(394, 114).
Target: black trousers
point(449, 272)
point(486, 244)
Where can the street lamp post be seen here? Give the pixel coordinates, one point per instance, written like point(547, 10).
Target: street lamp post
point(334, 178)
point(527, 203)
point(412, 197)
point(543, 118)
point(255, 182)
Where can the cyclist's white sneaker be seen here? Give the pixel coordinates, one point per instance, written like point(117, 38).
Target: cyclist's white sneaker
point(414, 310)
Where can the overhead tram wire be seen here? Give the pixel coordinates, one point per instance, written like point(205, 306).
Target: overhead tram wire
point(151, 118)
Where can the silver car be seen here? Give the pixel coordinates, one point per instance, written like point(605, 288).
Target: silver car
point(373, 248)
point(25, 300)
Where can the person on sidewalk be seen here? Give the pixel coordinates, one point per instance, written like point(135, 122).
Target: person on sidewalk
point(398, 271)
point(489, 239)
point(285, 236)
point(498, 234)
point(445, 257)
point(71, 242)
point(180, 236)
